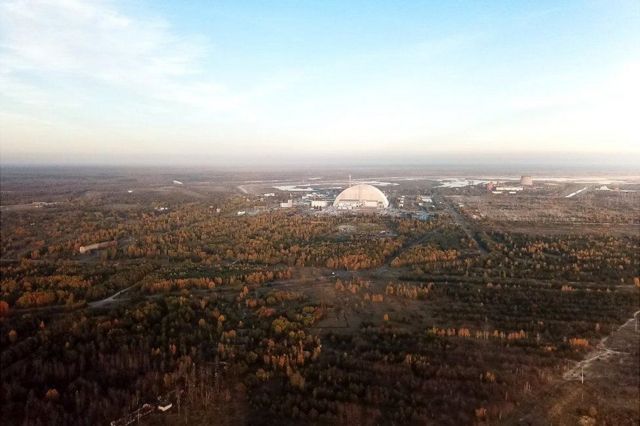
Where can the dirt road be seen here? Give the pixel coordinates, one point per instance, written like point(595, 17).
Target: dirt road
point(604, 388)
point(108, 300)
point(462, 222)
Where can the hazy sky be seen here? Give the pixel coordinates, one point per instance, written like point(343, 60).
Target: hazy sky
point(220, 82)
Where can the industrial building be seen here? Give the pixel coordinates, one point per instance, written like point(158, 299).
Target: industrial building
point(317, 204)
point(361, 196)
point(508, 188)
point(526, 181)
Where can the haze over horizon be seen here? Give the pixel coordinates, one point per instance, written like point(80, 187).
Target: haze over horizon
point(117, 83)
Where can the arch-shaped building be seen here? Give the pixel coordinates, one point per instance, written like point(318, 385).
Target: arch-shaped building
point(359, 196)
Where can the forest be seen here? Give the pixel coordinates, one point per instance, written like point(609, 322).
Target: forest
point(293, 317)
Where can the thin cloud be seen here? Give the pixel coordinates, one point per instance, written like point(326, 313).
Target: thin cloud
point(92, 43)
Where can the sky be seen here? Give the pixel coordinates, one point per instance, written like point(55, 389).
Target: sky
point(282, 82)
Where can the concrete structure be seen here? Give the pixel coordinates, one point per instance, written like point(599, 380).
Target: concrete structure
point(97, 246)
point(318, 204)
point(509, 188)
point(287, 205)
point(526, 181)
point(361, 196)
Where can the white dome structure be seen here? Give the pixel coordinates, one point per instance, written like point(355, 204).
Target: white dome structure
point(361, 195)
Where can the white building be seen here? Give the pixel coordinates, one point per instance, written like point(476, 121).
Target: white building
point(319, 203)
point(509, 188)
point(359, 196)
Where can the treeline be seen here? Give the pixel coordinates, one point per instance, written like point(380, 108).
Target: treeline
point(256, 277)
point(29, 284)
